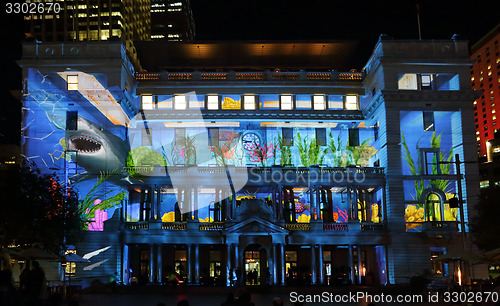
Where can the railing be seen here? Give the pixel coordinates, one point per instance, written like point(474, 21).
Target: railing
point(374, 227)
point(173, 226)
point(252, 76)
point(211, 226)
point(335, 227)
point(446, 226)
point(298, 226)
point(134, 226)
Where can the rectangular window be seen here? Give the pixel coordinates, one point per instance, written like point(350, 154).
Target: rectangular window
point(180, 102)
point(426, 81)
point(147, 102)
point(286, 102)
point(351, 102)
point(213, 102)
point(249, 102)
point(213, 134)
point(353, 137)
point(408, 81)
point(287, 136)
point(180, 136)
point(335, 102)
point(321, 137)
point(319, 102)
point(72, 82)
point(71, 121)
point(428, 121)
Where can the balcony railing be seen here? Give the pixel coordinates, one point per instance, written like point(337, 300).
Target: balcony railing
point(173, 226)
point(335, 227)
point(440, 226)
point(298, 226)
point(251, 76)
point(211, 226)
point(374, 227)
point(134, 226)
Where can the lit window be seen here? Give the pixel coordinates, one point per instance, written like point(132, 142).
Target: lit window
point(212, 102)
point(286, 102)
point(426, 80)
point(351, 102)
point(319, 102)
point(472, 79)
point(72, 82)
point(428, 121)
point(408, 81)
point(180, 102)
point(477, 132)
point(489, 67)
point(170, 25)
point(493, 111)
point(478, 138)
point(494, 117)
point(147, 102)
point(249, 102)
point(489, 73)
point(173, 35)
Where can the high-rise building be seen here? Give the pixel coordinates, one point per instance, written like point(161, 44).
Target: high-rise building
point(172, 20)
point(92, 20)
point(261, 157)
point(485, 76)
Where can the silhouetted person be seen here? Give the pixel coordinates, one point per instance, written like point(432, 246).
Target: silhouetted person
point(34, 284)
point(268, 277)
point(8, 293)
point(244, 300)
point(229, 300)
point(237, 271)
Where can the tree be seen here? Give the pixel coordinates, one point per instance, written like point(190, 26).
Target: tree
point(36, 209)
point(485, 226)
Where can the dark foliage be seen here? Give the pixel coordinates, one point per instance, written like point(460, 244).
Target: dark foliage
point(36, 209)
point(485, 225)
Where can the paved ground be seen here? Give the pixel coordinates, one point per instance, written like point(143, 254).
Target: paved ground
point(206, 296)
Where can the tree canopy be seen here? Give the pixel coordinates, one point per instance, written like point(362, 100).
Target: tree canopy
point(36, 209)
point(485, 225)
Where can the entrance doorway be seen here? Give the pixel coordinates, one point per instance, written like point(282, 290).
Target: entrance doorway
point(255, 264)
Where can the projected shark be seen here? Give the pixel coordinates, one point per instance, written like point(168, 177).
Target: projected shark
point(96, 149)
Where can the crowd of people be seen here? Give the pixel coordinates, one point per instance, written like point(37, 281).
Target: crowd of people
point(32, 289)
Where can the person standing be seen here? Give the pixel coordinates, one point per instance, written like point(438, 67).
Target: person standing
point(34, 284)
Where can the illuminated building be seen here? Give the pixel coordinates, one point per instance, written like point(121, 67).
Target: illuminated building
point(92, 20)
point(172, 20)
point(485, 76)
point(257, 155)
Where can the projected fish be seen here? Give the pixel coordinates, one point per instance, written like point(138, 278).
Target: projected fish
point(96, 149)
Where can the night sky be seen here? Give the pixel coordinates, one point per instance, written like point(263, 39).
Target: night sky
point(271, 20)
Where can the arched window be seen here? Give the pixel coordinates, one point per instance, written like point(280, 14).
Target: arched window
point(433, 207)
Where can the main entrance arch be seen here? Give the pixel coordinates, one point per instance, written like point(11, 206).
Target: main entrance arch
point(255, 264)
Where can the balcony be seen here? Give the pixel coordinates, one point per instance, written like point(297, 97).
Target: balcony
point(440, 226)
point(264, 176)
point(322, 76)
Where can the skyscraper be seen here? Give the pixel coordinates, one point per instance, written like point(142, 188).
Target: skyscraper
point(91, 20)
point(485, 75)
point(172, 20)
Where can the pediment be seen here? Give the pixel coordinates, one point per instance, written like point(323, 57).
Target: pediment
point(256, 225)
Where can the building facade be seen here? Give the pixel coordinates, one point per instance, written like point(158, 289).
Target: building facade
point(305, 176)
point(172, 20)
point(91, 20)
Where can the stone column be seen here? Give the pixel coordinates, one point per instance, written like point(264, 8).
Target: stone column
point(195, 203)
point(159, 264)
point(190, 264)
point(151, 263)
point(228, 264)
point(274, 269)
point(197, 264)
point(158, 203)
point(358, 258)
point(313, 265)
point(320, 264)
point(282, 261)
point(351, 264)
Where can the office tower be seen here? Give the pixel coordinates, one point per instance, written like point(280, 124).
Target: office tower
point(172, 20)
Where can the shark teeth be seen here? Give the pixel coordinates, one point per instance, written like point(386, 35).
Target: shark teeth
point(84, 144)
